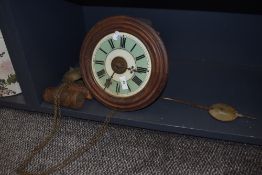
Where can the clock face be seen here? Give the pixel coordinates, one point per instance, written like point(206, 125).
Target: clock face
point(124, 63)
point(121, 64)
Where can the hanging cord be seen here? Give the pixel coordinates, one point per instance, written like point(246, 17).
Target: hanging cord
point(21, 170)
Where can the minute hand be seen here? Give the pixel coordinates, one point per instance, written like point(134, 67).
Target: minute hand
point(138, 69)
point(127, 68)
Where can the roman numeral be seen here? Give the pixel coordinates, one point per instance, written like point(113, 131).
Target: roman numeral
point(101, 73)
point(128, 88)
point(99, 62)
point(137, 80)
point(117, 88)
point(140, 57)
point(123, 42)
point(133, 48)
point(107, 83)
point(110, 41)
point(103, 51)
point(141, 70)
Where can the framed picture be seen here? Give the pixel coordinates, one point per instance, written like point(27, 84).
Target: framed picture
point(8, 82)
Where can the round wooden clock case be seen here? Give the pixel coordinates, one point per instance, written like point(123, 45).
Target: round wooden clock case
point(124, 63)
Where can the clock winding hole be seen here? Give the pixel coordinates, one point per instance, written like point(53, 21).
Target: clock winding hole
point(119, 65)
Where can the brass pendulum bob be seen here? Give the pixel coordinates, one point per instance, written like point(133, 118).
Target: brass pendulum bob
point(225, 112)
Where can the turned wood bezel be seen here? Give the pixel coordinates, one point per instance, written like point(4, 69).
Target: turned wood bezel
point(155, 47)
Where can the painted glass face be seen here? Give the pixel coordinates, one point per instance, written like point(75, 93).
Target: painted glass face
point(121, 64)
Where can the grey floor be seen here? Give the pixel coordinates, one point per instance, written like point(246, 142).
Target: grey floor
point(123, 150)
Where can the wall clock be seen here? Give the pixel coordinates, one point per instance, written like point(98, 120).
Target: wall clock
point(124, 63)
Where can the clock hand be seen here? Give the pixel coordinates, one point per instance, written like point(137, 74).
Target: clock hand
point(132, 68)
point(108, 81)
point(138, 69)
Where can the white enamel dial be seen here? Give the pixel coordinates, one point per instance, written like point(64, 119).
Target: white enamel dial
point(121, 64)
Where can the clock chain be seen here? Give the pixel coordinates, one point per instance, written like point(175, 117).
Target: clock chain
point(21, 170)
point(98, 135)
